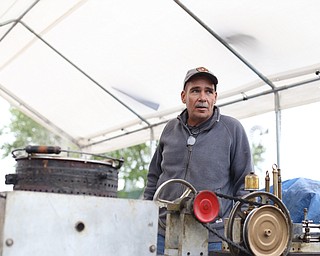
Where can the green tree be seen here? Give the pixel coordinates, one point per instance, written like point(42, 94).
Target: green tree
point(134, 169)
point(25, 132)
point(257, 148)
point(133, 173)
point(257, 151)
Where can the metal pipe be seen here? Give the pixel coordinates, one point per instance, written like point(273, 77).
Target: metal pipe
point(278, 89)
point(275, 180)
point(279, 184)
point(126, 133)
point(278, 125)
point(267, 182)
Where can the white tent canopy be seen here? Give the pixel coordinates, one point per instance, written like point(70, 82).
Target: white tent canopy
point(108, 74)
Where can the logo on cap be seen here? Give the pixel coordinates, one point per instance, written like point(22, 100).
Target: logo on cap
point(202, 69)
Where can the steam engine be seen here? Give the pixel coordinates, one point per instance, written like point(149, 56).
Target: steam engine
point(67, 206)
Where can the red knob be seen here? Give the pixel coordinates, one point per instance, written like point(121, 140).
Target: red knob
point(206, 206)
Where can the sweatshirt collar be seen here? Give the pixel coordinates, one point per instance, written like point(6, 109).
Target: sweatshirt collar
point(207, 124)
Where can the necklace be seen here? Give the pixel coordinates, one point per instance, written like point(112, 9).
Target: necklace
point(193, 131)
point(191, 140)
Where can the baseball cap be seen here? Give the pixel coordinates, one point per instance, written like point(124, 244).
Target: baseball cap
point(200, 70)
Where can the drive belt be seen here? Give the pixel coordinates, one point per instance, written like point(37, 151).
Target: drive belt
point(225, 239)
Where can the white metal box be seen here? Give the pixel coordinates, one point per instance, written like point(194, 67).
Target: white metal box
point(36, 223)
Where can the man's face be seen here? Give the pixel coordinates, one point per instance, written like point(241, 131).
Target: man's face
point(199, 96)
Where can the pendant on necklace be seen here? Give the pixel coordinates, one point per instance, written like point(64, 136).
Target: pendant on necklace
point(191, 140)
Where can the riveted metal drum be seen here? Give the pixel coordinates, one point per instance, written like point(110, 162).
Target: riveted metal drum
point(56, 174)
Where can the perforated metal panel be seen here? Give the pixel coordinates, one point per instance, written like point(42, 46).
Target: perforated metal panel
point(64, 175)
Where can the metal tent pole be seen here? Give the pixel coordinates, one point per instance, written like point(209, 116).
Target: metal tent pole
point(278, 124)
point(258, 73)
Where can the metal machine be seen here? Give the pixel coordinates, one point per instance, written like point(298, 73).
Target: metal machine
point(67, 206)
point(258, 224)
point(184, 235)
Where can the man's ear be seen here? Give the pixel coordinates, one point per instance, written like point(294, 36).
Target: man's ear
point(183, 97)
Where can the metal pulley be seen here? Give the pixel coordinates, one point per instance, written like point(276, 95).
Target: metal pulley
point(206, 206)
point(267, 229)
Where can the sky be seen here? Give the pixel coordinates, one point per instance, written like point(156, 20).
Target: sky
point(299, 142)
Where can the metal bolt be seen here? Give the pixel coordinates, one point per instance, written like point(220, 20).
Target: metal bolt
point(267, 232)
point(152, 248)
point(9, 242)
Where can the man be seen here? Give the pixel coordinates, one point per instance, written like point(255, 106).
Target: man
point(209, 150)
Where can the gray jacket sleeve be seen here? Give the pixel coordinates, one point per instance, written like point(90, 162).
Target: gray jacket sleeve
point(153, 174)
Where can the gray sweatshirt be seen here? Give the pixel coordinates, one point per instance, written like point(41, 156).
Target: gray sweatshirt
point(218, 161)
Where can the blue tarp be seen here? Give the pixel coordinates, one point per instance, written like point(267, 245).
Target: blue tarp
point(300, 193)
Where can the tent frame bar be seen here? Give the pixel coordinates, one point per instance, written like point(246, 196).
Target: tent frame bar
point(19, 19)
point(150, 126)
point(220, 39)
point(244, 98)
point(18, 101)
point(259, 74)
point(76, 67)
point(275, 90)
